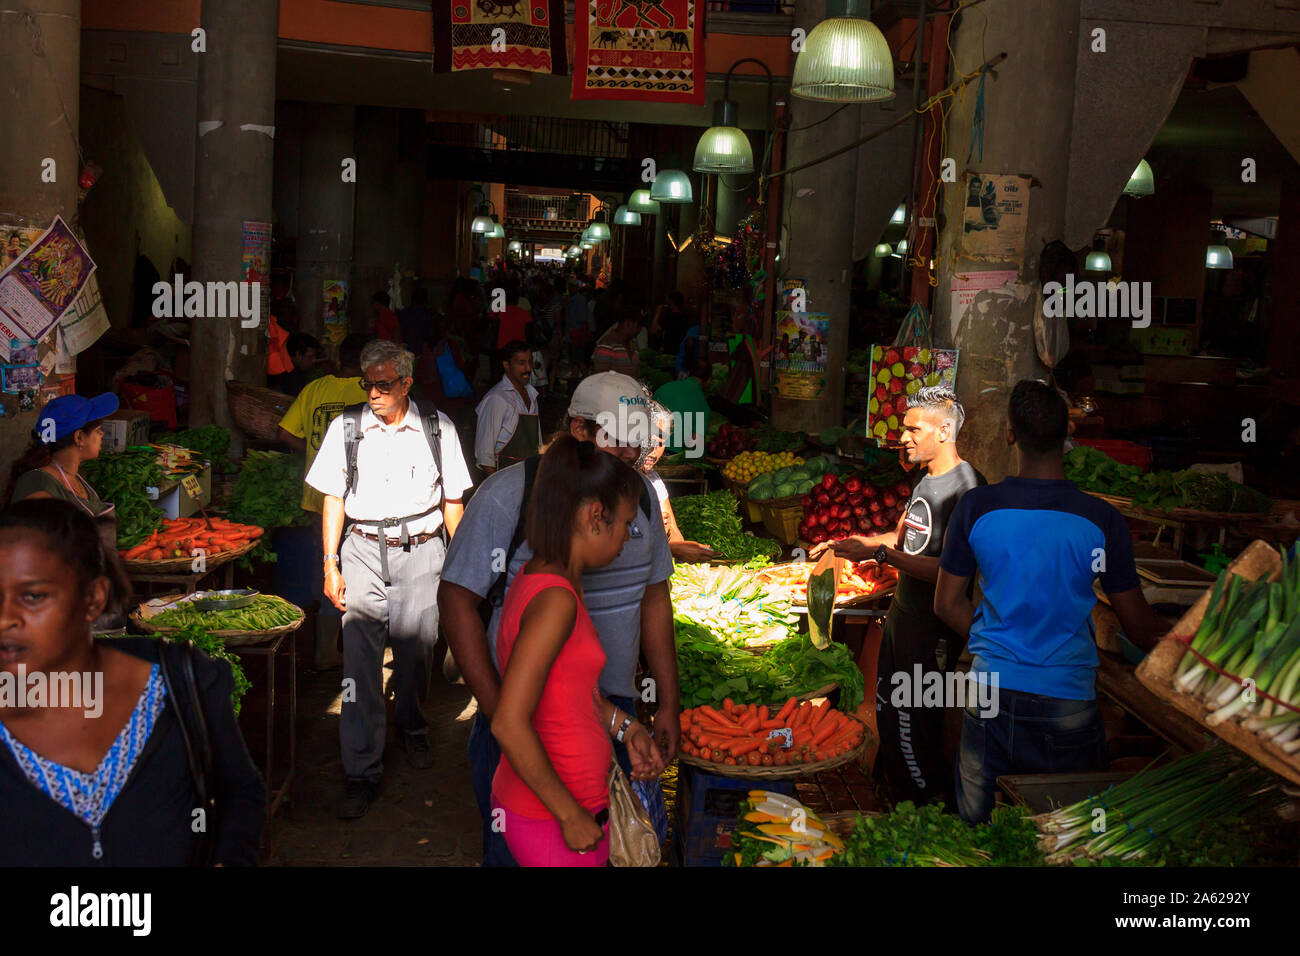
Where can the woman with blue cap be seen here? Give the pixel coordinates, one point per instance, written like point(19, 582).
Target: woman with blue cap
point(68, 433)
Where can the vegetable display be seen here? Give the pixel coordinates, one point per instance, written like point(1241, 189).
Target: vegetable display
point(1156, 804)
point(267, 612)
point(122, 480)
point(729, 441)
point(714, 519)
point(709, 671)
point(731, 603)
point(180, 537)
point(1094, 471)
point(746, 466)
point(927, 836)
point(792, 477)
point(1244, 659)
point(268, 492)
point(215, 647)
point(211, 442)
point(856, 581)
point(776, 830)
point(836, 508)
point(756, 736)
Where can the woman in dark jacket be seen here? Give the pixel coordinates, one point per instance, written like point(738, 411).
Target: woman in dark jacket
point(100, 774)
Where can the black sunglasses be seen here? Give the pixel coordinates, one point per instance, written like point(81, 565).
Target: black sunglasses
point(384, 387)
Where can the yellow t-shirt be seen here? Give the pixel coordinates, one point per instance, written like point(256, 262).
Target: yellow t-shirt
point(318, 404)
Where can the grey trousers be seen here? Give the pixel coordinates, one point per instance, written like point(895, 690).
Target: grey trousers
point(405, 614)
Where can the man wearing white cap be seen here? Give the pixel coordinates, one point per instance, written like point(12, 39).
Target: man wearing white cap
point(628, 600)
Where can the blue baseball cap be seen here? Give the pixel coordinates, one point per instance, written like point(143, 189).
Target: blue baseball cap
point(70, 412)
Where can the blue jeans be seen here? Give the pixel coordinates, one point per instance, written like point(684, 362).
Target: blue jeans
point(485, 754)
point(1028, 734)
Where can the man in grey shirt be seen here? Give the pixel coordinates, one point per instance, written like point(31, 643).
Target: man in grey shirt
point(628, 600)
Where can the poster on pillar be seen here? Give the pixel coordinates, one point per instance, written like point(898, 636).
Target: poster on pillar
point(799, 354)
point(334, 306)
point(996, 214)
point(41, 284)
point(646, 50)
point(83, 324)
point(257, 265)
point(499, 35)
point(967, 286)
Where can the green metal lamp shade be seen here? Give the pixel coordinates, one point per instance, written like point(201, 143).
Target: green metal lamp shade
point(1218, 257)
point(573, 251)
point(899, 217)
point(844, 60)
point(1142, 182)
point(640, 202)
point(671, 186)
point(516, 246)
point(498, 232)
point(482, 225)
point(883, 251)
point(724, 149)
point(623, 216)
point(901, 248)
point(586, 244)
point(598, 232)
point(1098, 261)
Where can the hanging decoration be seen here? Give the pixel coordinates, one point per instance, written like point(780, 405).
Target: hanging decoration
point(523, 35)
point(647, 50)
point(735, 263)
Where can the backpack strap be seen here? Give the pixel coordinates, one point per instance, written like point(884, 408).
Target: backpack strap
point(496, 593)
point(194, 734)
point(433, 434)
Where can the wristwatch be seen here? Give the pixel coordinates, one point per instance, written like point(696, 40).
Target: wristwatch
point(337, 559)
point(881, 555)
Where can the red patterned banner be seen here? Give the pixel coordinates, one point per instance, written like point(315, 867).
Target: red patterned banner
point(648, 50)
point(499, 35)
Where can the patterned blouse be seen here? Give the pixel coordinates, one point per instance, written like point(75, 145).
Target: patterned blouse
point(90, 795)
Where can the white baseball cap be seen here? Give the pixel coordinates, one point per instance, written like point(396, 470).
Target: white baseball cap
point(620, 404)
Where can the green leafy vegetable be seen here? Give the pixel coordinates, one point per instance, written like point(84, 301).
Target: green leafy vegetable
point(927, 836)
point(215, 647)
point(211, 442)
point(714, 520)
point(1203, 491)
point(268, 492)
point(123, 480)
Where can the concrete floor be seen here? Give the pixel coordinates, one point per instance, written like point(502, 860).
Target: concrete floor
point(419, 818)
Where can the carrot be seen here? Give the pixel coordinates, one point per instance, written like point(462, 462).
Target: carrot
point(819, 716)
point(766, 760)
point(716, 755)
point(763, 715)
point(752, 758)
point(779, 759)
point(730, 761)
point(787, 709)
point(741, 747)
point(155, 555)
point(728, 705)
point(771, 725)
point(824, 733)
point(704, 710)
point(750, 723)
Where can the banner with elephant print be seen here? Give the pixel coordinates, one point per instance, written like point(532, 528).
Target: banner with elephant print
point(499, 35)
point(648, 50)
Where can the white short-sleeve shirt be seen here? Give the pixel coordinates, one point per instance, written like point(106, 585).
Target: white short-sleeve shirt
point(395, 471)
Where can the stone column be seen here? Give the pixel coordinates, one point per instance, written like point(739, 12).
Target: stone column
point(326, 208)
point(232, 185)
point(40, 53)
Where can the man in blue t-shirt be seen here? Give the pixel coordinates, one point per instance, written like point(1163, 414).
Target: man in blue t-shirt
point(1038, 543)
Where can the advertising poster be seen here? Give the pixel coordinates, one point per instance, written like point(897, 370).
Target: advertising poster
point(13, 241)
point(257, 262)
point(334, 305)
point(794, 295)
point(967, 286)
point(799, 354)
point(41, 284)
point(997, 212)
point(900, 371)
point(85, 322)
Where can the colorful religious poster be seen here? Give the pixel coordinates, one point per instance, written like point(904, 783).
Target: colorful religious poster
point(995, 217)
point(648, 50)
point(898, 371)
point(499, 35)
point(257, 264)
point(794, 295)
point(799, 354)
point(334, 305)
point(41, 284)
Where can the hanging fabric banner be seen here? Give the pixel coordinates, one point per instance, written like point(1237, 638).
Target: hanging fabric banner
point(648, 50)
point(499, 35)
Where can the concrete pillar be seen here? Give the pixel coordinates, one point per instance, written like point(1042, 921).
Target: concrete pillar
point(819, 235)
point(232, 185)
point(732, 192)
point(39, 93)
point(661, 255)
point(325, 213)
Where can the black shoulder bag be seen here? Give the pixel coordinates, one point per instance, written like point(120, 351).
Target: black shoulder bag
point(198, 745)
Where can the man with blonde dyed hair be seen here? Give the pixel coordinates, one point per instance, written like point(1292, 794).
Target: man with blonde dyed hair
point(916, 642)
point(393, 478)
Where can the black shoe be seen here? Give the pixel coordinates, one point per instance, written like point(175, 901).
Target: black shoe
point(418, 754)
point(356, 799)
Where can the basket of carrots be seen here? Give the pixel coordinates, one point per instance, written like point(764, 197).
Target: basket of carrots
point(175, 545)
point(747, 741)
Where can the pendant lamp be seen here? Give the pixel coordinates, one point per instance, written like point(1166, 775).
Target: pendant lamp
point(845, 59)
point(671, 186)
point(640, 202)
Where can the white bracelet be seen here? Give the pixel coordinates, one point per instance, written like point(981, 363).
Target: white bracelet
point(612, 718)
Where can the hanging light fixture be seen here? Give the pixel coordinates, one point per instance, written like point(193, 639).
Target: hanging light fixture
point(498, 231)
point(586, 244)
point(640, 202)
point(1098, 259)
point(1217, 254)
point(1142, 182)
point(845, 59)
point(516, 246)
point(623, 216)
point(482, 225)
point(598, 230)
point(671, 186)
point(883, 251)
point(899, 217)
point(900, 250)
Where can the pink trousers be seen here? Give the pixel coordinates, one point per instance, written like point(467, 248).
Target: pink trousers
point(541, 842)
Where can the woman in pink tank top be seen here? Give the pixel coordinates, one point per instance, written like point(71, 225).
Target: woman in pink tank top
point(550, 791)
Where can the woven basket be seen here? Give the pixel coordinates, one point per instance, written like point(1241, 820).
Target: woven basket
point(782, 773)
point(172, 565)
point(230, 637)
point(256, 410)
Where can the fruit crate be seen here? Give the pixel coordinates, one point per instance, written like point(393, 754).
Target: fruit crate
point(781, 517)
point(708, 806)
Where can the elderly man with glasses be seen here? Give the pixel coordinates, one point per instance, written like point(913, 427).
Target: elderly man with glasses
point(393, 477)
